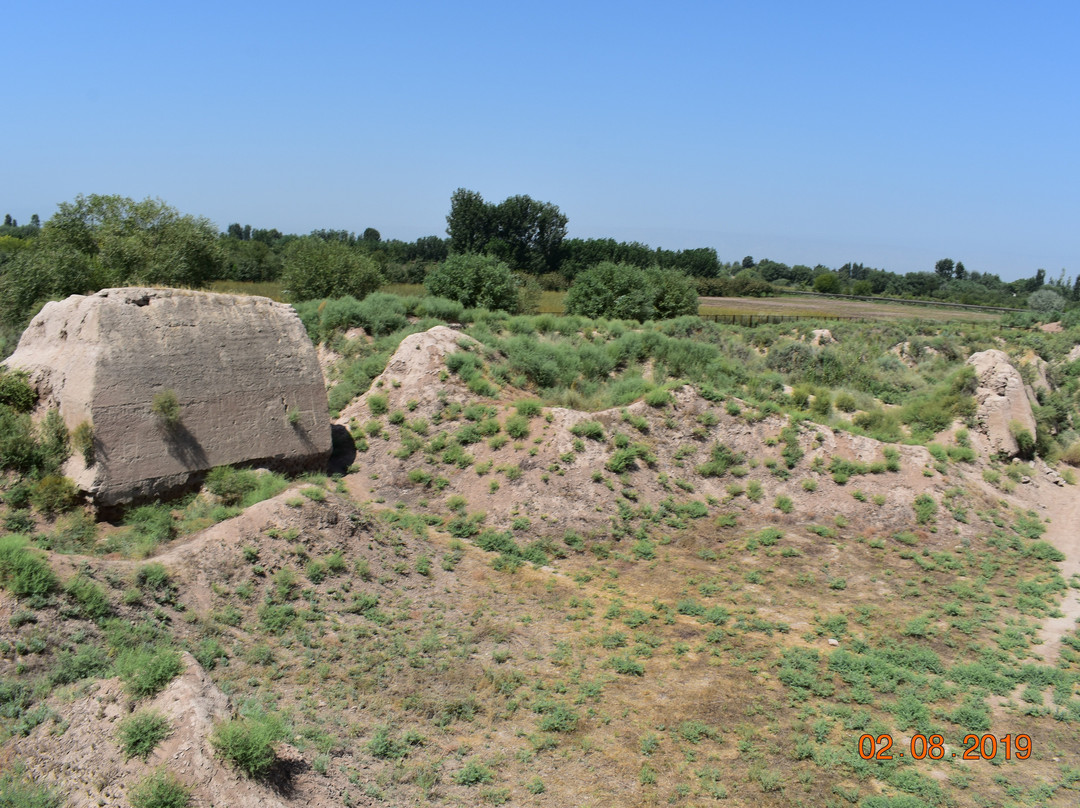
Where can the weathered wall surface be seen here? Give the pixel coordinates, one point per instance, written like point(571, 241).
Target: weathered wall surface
point(243, 370)
point(1001, 399)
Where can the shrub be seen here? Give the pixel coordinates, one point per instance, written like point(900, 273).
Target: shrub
point(15, 390)
point(378, 404)
point(925, 508)
point(54, 494)
point(658, 398)
point(845, 402)
point(82, 439)
point(230, 485)
point(248, 743)
point(628, 292)
point(721, 458)
point(784, 504)
point(1024, 439)
point(1045, 301)
point(313, 268)
point(147, 670)
point(162, 789)
point(472, 774)
point(140, 733)
point(475, 281)
point(22, 571)
point(166, 407)
point(91, 598)
point(530, 407)
point(593, 430)
point(517, 427)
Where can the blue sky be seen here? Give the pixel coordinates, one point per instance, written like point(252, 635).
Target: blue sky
point(892, 134)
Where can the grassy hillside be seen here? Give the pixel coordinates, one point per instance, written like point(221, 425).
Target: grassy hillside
point(733, 556)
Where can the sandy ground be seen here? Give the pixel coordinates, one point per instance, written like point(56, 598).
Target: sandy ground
point(1064, 533)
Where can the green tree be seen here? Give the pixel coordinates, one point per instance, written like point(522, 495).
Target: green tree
point(470, 223)
point(945, 268)
point(1045, 301)
point(97, 241)
point(314, 268)
point(475, 281)
point(521, 231)
point(827, 283)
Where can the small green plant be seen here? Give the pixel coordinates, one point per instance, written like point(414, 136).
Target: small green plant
point(473, 773)
point(249, 743)
point(141, 733)
point(517, 427)
point(784, 504)
point(147, 670)
point(161, 789)
point(378, 404)
point(166, 406)
point(82, 439)
point(925, 508)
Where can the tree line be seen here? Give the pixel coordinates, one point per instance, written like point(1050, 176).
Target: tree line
point(97, 241)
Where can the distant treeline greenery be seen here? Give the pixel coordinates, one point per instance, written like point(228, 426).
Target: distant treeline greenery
point(98, 241)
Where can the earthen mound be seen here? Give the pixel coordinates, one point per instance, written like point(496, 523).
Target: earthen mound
point(1003, 403)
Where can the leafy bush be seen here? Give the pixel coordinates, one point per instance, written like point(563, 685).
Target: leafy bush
point(925, 508)
point(82, 439)
point(141, 733)
point(1024, 439)
point(721, 458)
point(378, 404)
point(166, 406)
point(593, 430)
point(475, 281)
point(314, 268)
point(629, 292)
point(441, 308)
point(248, 743)
point(91, 598)
point(54, 494)
point(23, 572)
point(625, 459)
point(517, 427)
point(162, 789)
point(15, 390)
point(147, 670)
point(530, 407)
point(473, 773)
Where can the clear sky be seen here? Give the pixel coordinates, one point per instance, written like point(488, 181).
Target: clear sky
point(892, 134)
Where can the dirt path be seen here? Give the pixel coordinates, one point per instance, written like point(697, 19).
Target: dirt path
point(1063, 505)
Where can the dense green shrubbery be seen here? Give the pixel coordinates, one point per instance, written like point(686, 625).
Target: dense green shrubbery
point(476, 281)
point(631, 293)
point(314, 268)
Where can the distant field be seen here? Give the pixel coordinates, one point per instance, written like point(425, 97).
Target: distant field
point(808, 307)
point(270, 289)
point(816, 306)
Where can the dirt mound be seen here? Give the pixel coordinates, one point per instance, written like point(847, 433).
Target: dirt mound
point(1003, 403)
point(415, 373)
